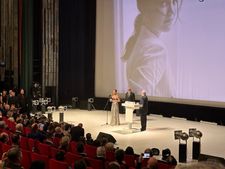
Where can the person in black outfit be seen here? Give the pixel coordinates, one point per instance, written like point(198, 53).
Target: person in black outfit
point(143, 110)
point(130, 96)
point(22, 102)
point(77, 132)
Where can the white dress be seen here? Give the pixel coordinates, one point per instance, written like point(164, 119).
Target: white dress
point(147, 66)
point(115, 120)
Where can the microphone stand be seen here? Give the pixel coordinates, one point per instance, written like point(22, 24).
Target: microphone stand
point(105, 108)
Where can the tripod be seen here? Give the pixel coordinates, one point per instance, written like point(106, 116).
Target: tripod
point(107, 112)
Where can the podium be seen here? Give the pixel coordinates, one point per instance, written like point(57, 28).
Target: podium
point(130, 107)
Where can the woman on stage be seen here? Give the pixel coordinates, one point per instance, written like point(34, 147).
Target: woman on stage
point(115, 99)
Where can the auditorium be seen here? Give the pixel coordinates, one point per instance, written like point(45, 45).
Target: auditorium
point(112, 84)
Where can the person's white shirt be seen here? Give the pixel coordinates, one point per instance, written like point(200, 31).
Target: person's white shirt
point(147, 66)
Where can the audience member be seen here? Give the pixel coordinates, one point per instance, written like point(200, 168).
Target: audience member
point(109, 147)
point(4, 138)
point(119, 156)
point(64, 143)
point(60, 156)
point(113, 165)
point(129, 150)
point(13, 159)
point(76, 132)
point(80, 164)
point(37, 164)
point(101, 152)
point(80, 149)
point(152, 163)
point(89, 139)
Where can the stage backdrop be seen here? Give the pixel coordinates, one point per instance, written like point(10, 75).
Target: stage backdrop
point(182, 62)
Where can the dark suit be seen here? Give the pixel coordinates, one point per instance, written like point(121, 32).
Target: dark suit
point(143, 112)
point(76, 132)
point(130, 97)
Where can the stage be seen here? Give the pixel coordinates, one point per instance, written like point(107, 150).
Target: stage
point(159, 133)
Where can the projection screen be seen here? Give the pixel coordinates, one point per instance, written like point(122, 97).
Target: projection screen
point(176, 50)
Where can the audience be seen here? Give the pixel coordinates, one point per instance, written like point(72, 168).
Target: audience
point(45, 130)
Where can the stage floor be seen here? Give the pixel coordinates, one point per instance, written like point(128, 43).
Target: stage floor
point(159, 133)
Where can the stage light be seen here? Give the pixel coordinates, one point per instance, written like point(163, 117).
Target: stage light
point(193, 132)
point(50, 111)
point(184, 136)
point(91, 100)
point(75, 102)
point(196, 144)
point(90, 104)
point(74, 99)
point(61, 113)
point(166, 153)
point(177, 134)
point(198, 134)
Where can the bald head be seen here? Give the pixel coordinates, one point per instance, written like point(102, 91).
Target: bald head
point(152, 163)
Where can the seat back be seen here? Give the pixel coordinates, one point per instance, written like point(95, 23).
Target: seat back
point(54, 164)
point(54, 151)
point(56, 141)
point(164, 165)
point(130, 160)
point(5, 147)
point(110, 156)
point(95, 163)
point(33, 144)
point(26, 159)
point(44, 158)
point(73, 147)
point(24, 143)
point(70, 158)
point(44, 149)
point(90, 150)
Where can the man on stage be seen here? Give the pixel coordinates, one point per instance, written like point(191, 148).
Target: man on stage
point(143, 110)
point(130, 96)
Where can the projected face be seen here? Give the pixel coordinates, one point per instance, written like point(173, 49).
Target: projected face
point(158, 15)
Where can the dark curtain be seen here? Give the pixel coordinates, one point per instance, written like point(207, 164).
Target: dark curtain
point(30, 34)
point(27, 44)
point(77, 49)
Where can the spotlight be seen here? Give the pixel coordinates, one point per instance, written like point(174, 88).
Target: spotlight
point(91, 100)
point(166, 153)
point(50, 111)
point(177, 134)
point(75, 102)
point(193, 132)
point(198, 134)
point(196, 144)
point(90, 104)
point(61, 108)
point(74, 99)
point(184, 136)
point(61, 113)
